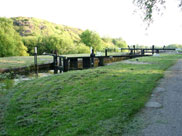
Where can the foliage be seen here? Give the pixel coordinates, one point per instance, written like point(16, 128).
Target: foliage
point(107, 43)
point(91, 39)
point(82, 48)
point(174, 46)
point(89, 102)
point(62, 44)
point(30, 42)
point(150, 6)
point(113, 44)
point(119, 42)
point(24, 33)
point(10, 42)
point(37, 27)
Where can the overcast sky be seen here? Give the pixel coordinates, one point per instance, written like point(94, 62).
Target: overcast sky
point(114, 18)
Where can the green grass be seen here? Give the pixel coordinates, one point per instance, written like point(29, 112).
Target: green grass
point(93, 102)
point(22, 61)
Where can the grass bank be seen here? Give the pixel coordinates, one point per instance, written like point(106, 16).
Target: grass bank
point(23, 61)
point(94, 102)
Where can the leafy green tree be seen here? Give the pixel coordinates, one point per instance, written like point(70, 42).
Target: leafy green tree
point(82, 48)
point(91, 39)
point(107, 43)
point(66, 44)
point(107, 39)
point(10, 42)
point(30, 42)
point(63, 44)
point(119, 42)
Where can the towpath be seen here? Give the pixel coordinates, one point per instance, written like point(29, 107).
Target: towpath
point(162, 115)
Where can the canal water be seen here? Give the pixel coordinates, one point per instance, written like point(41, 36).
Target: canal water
point(7, 82)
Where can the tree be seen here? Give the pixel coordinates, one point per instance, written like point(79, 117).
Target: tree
point(114, 43)
point(62, 43)
point(30, 42)
point(91, 39)
point(107, 43)
point(82, 48)
point(149, 6)
point(174, 46)
point(119, 42)
point(10, 41)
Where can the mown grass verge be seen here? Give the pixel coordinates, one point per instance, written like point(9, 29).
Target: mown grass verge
point(94, 102)
point(23, 61)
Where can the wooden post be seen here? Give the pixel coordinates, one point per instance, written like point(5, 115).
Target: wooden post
point(106, 52)
point(60, 65)
point(152, 49)
point(55, 64)
point(134, 49)
point(142, 52)
point(131, 51)
point(35, 61)
point(164, 48)
point(92, 55)
point(65, 64)
point(92, 61)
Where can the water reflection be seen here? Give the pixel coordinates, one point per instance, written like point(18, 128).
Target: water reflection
point(7, 83)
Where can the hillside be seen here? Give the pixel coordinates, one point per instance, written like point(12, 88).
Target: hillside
point(49, 37)
point(29, 26)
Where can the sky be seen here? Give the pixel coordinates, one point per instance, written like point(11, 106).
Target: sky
point(113, 18)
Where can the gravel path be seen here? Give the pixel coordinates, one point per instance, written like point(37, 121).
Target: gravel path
point(162, 115)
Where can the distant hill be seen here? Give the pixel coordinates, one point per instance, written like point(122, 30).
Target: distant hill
point(29, 26)
point(28, 32)
point(48, 36)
